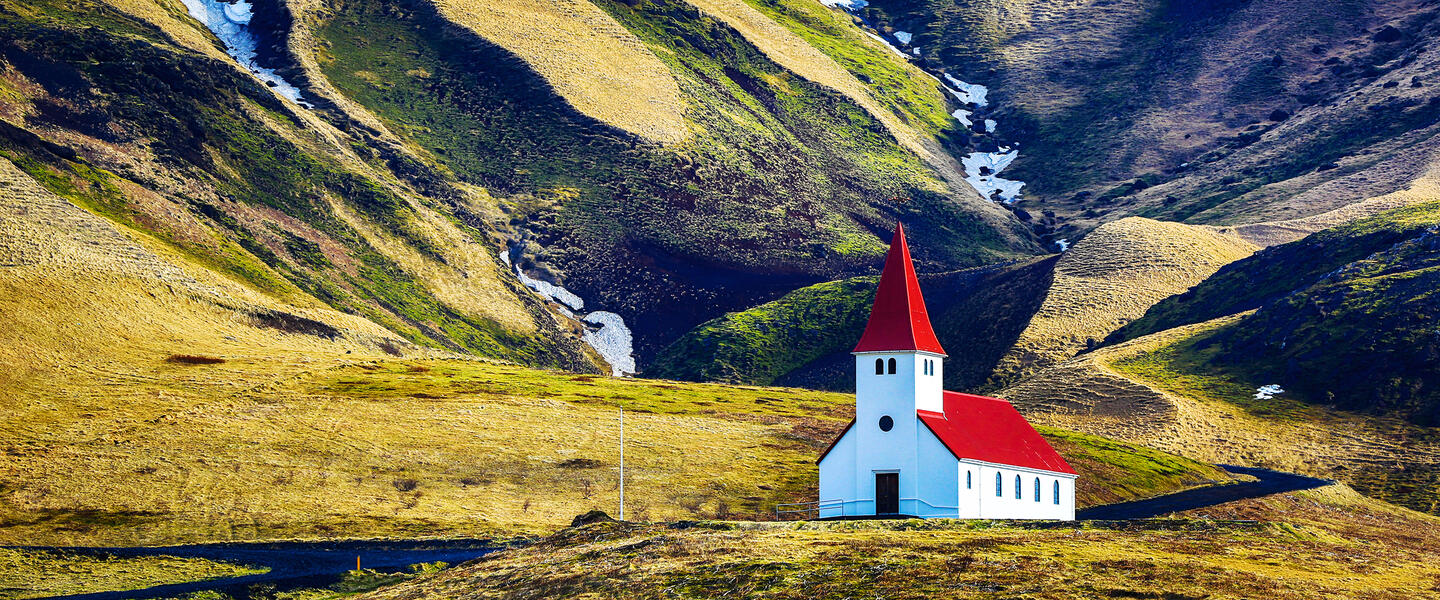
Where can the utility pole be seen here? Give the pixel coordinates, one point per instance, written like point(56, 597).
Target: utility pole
point(622, 464)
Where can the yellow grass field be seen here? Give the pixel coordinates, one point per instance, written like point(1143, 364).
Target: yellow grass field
point(42, 574)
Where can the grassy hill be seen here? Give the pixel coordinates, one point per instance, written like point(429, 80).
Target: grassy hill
point(1161, 391)
point(1320, 543)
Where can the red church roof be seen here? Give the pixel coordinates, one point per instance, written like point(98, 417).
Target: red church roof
point(898, 321)
point(991, 430)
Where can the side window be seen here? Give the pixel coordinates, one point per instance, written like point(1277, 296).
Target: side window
point(879, 366)
point(999, 486)
point(892, 366)
point(1057, 492)
point(968, 475)
point(1037, 489)
point(1017, 486)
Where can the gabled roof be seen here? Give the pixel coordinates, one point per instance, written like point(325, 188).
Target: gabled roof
point(991, 430)
point(898, 320)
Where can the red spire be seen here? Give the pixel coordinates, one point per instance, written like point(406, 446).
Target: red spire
point(898, 321)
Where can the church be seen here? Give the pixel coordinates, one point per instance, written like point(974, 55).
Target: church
point(917, 450)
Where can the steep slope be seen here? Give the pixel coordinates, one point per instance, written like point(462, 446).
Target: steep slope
point(677, 234)
point(1279, 271)
point(1209, 112)
point(103, 110)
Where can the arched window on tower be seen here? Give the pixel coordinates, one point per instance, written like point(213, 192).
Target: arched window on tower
point(879, 366)
point(1018, 493)
point(1037, 489)
point(999, 486)
point(892, 366)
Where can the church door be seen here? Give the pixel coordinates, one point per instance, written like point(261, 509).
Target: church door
point(887, 493)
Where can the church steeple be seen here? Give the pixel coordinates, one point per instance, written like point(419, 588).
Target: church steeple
point(898, 320)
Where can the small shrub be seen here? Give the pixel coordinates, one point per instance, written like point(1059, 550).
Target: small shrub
point(580, 463)
point(405, 485)
point(194, 359)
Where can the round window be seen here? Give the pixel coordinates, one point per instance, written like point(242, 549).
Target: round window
point(886, 423)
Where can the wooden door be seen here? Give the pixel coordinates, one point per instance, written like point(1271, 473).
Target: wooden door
point(887, 493)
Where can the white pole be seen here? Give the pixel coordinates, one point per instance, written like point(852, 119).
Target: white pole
point(622, 464)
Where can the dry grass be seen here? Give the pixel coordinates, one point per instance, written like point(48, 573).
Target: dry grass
point(1112, 277)
point(469, 278)
point(1124, 392)
point(1326, 543)
point(42, 574)
point(601, 68)
point(1272, 233)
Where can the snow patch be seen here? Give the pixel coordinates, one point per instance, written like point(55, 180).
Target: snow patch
point(981, 169)
point(846, 4)
point(229, 21)
point(612, 340)
point(967, 93)
point(916, 50)
point(605, 331)
point(887, 44)
point(904, 37)
point(963, 116)
point(1063, 244)
point(1266, 392)
point(990, 125)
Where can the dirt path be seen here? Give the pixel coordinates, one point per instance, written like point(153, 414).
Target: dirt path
point(292, 564)
point(1268, 482)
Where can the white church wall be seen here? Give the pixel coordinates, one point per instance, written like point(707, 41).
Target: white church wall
point(1007, 506)
point(939, 476)
point(837, 479)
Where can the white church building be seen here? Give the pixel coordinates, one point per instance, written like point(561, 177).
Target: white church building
point(917, 450)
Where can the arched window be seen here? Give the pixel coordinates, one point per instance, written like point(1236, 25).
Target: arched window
point(967, 480)
point(1018, 494)
point(879, 366)
point(892, 366)
point(1037, 489)
point(1057, 492)
point(999, 486)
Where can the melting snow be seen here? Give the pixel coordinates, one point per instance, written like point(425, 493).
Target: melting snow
point(967, 93)
point(229, 23)
point(963, 116)
point(612, 340)
point(846, 4)
point(1266, 392)
point(990, 125)
point(916, 50)
point(1063, 244)
point(610, 337)
point(888, 45)
point(904, 37)
point(981, 169)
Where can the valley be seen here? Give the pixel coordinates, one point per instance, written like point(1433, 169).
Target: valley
point(339, 270)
